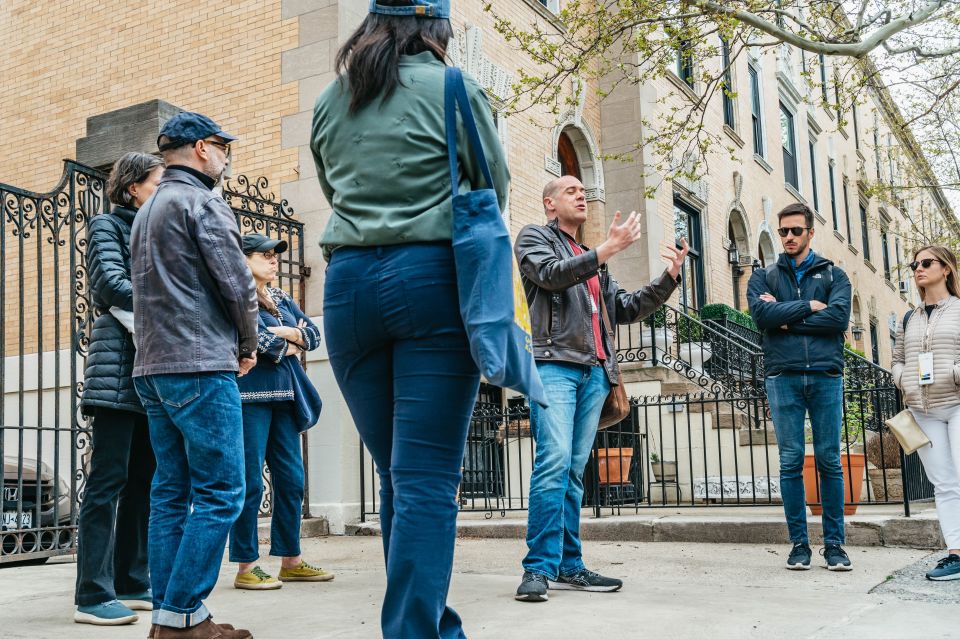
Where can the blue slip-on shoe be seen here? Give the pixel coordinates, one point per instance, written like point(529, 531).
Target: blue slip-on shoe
point(108, 613)
point(138, 600)
point(947, 569)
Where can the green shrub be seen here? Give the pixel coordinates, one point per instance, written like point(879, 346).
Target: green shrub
point(722, 311)
point(689, 329)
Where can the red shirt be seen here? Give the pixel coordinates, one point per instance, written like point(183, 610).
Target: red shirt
point(593, 286)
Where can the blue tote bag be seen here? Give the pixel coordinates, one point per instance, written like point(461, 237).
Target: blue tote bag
point(492, 301)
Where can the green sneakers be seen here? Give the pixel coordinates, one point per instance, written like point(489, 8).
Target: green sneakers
point(305, 572)
point(256, 579)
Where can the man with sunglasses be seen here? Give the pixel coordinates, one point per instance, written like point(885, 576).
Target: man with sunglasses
point(195, 315)
point(802, 305)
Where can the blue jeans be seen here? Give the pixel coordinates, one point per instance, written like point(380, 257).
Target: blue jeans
point(270, 433)
point(564, 434)
point(402, 360)
point(196, 428)
point(792, 396)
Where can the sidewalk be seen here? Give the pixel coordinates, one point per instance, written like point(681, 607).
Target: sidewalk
point(672, 591)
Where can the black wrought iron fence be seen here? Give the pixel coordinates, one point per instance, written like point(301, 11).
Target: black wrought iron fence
point(713, 447)
point(46, 315)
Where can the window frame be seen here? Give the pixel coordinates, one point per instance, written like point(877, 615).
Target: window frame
point(791, 164)
point(756, 111)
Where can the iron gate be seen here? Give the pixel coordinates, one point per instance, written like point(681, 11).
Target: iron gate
point(45, 315)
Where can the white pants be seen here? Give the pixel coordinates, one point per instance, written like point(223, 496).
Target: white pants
point(942, 465)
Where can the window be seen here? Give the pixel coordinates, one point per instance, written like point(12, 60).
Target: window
point(553, 5)
point(836, 93)
point(727, 84)
point(874, 343)
point(885, 247)
point(846, 210)
point(685, 62)
point(833, 196)
point(864, 230)
point(891, 165)
point(687, 223)
point(789, 139)
point(899, 253)
point(823, 79)
point(813, 172)
point(876, 147)
point(567, 156)
point(755, 112)
point(856, 126)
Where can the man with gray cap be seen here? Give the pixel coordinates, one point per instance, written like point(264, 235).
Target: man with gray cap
point(195, 314)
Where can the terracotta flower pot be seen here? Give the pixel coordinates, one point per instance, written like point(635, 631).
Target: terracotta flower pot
point(853, 465)
point(613, 465)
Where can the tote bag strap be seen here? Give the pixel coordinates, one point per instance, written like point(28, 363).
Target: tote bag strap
point(454, 93)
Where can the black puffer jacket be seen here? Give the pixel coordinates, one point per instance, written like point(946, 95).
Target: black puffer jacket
point(107, 382)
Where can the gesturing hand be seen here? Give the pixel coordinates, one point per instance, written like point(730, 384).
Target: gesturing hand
point(619, 236)
point(675, 257)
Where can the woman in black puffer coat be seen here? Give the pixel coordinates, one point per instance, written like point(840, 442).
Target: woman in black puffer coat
point(112, 574)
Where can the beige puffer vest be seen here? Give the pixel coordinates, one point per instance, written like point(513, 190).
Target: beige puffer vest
point(944, 342)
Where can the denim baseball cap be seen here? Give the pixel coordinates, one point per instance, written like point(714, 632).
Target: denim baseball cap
point(187, 127)
point(421, 8)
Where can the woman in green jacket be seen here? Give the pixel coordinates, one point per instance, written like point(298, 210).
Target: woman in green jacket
point(392, 321)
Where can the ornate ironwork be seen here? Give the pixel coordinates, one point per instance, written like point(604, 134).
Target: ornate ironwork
point(46, 314)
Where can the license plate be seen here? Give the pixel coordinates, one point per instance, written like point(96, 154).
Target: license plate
point(10, 521)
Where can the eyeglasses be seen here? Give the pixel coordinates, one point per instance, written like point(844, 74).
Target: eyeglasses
point(797, 231)
point(223, 145)
point(269, 255)
point(924, 263)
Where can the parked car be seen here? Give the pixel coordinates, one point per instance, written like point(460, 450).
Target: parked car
point(23, 489)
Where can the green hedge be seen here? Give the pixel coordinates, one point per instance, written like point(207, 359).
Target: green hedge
point(722, 311)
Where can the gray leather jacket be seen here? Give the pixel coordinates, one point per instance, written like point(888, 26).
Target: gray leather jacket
point(554, 279)
point(194, 298)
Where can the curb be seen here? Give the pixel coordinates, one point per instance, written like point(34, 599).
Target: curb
point(921, 532)
point(312, 527)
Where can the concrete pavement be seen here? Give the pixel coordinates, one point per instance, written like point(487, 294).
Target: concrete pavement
point(672, 591)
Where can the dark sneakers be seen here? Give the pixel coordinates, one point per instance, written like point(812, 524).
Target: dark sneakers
point(836, 558)
point(588, 581)
point(799, 558)
point(947, 569)
point(533, 587)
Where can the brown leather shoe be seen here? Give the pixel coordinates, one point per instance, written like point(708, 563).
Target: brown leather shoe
point(153, 629)
point(204, 630)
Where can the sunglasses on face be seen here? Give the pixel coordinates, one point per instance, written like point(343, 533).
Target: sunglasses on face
point(924, 263)
point(796, 231)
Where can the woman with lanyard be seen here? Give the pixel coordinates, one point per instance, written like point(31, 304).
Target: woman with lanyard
point(279, 403)
point(926, 368)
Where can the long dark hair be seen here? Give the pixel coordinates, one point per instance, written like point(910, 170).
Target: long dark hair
point(370, 58)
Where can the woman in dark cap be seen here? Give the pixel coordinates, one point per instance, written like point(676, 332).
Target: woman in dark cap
point(112, 574)
point(396, 340)
point(279, 403)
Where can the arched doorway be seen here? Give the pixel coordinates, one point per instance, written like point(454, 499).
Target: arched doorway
point(856, 328)
point(738, 251)
point(765, 251)
point(567, 156)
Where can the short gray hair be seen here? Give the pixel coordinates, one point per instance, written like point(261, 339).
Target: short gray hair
point(132, 168)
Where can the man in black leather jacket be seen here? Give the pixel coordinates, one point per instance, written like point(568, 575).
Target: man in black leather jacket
point(195, 316)
point(576, 359)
